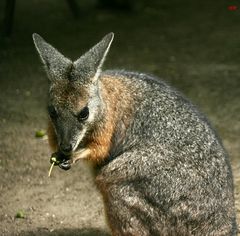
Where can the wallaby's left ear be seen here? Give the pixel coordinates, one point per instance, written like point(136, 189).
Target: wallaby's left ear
point(88, 66)
point(55, 63)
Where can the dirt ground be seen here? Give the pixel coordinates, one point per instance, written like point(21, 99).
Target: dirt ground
point(193, 45)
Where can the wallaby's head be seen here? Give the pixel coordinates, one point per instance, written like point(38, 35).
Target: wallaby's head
point(74, 103)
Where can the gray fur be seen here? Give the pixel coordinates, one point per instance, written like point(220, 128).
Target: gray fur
point(86, 68)
point(174, 177)
point(56, 65)
point(167, 173)
point(89, 65)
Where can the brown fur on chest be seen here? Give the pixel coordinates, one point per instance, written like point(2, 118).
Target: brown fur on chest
point(119, 103)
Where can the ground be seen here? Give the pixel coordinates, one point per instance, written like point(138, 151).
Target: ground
point(192, 45)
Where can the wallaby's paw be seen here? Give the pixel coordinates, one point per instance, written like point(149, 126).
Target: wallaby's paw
point(65, 161)
point(81, 154)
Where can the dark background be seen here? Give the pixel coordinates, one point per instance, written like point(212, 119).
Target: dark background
point(194, 45)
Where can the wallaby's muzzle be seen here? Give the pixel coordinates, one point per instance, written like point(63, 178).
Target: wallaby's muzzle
point(63, 161)
point(66, 148)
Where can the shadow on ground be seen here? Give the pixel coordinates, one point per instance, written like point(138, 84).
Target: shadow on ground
point(66, 232)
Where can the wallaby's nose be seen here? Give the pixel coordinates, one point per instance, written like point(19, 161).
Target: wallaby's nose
point(66, 148)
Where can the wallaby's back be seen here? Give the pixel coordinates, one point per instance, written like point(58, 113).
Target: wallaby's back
point(161, 168)
point(172, 175)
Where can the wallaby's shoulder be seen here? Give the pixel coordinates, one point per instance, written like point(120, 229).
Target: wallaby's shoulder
point(146, 88)
point(140, 86)
point(132, 77)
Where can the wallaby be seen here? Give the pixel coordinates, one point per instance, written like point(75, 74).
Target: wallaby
point(160, 166)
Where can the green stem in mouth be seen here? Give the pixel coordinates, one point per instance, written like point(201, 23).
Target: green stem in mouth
point(54, 161)
point(50, 170)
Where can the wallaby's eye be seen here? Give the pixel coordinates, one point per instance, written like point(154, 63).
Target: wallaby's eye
point(83, 114)
point(52, 112)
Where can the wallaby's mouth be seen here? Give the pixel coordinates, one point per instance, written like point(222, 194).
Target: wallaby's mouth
point(62, 160)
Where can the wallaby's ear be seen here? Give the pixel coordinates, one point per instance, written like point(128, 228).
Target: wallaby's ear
point(88, 67)
point(55, 63)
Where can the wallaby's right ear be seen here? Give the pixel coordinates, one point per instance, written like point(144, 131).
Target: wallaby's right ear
point(55, 63)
